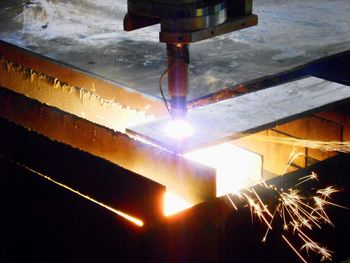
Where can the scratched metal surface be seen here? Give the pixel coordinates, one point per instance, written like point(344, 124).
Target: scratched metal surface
point(88, 34)
point(250, 113)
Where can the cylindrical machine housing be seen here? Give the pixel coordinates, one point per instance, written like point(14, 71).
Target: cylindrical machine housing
point(181, 15)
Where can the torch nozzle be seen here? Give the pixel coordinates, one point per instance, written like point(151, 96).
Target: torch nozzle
point(178, 107)
point(178, 60)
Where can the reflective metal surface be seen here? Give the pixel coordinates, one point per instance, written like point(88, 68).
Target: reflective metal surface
point(89, 35)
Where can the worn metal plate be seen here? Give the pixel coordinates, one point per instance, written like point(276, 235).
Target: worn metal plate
point(290, 34)
point(253, 112)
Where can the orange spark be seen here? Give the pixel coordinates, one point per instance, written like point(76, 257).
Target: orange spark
point(312, 176)
point(134, 220)
point(328, 191)
point(294, 249)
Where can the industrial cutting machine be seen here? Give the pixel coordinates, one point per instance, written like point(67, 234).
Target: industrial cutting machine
point(241, 156)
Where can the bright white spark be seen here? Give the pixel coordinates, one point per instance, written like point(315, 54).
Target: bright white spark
point(179, 129)
point(326, 254)
point(173, 204)
point(328, 191)
point(312, 176)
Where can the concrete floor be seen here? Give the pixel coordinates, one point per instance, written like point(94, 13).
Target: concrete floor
point(89, 35)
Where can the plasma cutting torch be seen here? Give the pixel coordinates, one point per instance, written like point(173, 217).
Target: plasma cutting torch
point(183, 22)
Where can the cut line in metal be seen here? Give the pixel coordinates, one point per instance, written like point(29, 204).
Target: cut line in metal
point(237, 117)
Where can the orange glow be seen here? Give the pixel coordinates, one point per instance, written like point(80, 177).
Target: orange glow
point(236, 168)
point(128, 217)
point(174, 204)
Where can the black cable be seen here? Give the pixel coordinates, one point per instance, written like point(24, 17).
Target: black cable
point(179, 59)
point(161, 88)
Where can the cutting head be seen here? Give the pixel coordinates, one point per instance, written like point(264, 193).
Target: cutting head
point(183, 22)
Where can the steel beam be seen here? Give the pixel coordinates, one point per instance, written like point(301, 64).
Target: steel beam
point(250, 113)
point(95, 177)
point(194, 182)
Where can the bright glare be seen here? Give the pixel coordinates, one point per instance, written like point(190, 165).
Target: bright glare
point(179, 129)
point(174, 204)
point(236, 168)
